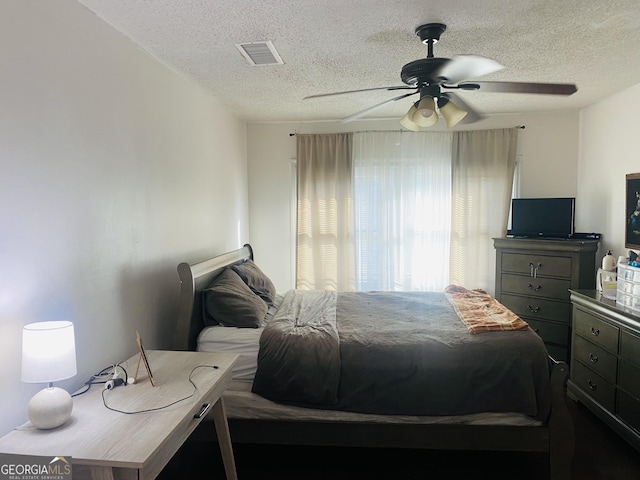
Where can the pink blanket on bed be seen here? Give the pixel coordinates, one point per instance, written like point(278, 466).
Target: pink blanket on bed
point(480, 312)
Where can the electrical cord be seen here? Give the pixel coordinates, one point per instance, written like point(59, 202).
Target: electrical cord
point(99, 378)
point(155, 409)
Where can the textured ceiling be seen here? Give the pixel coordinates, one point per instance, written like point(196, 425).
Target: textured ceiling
point(334, 45)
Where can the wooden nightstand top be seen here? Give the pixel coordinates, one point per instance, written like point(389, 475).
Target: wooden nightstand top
point(97, 436)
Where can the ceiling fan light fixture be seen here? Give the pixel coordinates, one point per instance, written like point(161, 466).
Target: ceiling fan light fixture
point(425, 114)
point(407, 121)
point(451, 112)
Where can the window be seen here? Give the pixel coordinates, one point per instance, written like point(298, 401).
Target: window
point(402, 205)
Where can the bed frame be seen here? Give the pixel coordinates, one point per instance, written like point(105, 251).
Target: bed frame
point(554, 438)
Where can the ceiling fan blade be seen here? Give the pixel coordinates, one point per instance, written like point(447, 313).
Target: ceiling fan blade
point(399, 87)
point(370, 109)
point(522, 87)
point(472, 115)
point(463, 67)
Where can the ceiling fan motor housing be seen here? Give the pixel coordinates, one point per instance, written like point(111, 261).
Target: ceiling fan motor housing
point(421, 71)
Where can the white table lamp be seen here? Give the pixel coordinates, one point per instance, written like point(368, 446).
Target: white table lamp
point(48, 355)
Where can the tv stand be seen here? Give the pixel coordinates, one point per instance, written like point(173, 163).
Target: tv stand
point(533, 278)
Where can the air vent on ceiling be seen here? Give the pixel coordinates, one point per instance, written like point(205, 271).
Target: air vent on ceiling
point(260, 53)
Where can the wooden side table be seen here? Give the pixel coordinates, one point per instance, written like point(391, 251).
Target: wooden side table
point(108, 445)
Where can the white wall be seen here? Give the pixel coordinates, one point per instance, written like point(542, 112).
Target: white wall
point(548, 149)
point(113, 170)
point(609, 146)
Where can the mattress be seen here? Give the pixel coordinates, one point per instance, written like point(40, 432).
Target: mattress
point(243, 341)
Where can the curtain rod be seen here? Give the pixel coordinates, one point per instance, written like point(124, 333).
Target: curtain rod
point(521, 127)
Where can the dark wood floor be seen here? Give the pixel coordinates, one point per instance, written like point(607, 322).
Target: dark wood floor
point(600, 455)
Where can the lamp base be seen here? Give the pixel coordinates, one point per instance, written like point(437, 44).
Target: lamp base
point(50, 408)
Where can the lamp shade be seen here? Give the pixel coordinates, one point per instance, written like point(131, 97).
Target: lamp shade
point(451, 113)
point(48, 352)
point(407, 121)
point(425, 114)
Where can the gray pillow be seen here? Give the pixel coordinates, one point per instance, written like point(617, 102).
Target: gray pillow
point(231, 303)
point(257, 281)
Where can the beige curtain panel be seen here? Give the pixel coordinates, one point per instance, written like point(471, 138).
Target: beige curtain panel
point(325, 246)
point(483, 163)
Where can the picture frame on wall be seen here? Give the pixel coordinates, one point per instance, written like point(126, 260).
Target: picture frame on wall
point(632, 219)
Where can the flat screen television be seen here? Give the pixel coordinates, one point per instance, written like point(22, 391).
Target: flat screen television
point(543, 217)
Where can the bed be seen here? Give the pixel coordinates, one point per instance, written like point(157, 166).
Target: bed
point(268, 402)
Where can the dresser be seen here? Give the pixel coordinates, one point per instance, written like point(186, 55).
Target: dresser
point(533, 278)
point(605, 366)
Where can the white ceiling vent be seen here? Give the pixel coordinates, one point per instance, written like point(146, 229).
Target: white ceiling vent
point(260, 53)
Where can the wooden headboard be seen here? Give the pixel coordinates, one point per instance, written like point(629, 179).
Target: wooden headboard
point(194, 278)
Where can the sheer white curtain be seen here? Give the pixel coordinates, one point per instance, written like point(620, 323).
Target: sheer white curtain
point(325, 243)
point(483, 164)
point(402, 210)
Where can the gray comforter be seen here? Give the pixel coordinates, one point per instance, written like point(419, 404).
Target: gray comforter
point(397, 353)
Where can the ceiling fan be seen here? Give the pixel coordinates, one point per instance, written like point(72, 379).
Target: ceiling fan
point(435, 78)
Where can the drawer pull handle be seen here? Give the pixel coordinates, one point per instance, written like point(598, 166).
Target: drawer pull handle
point(595, 332)
point(535, 289)
point(532, 309)
point(592, 386)
point(203, 410)
point(533, 269)
point(593, 358)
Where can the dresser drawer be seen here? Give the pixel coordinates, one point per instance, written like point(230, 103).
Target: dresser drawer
point(536, 287)
point(630, 347)
point(628, 409)
point(629, 378)
point(594, 385)
point(596, 358)
point(550, 332)
point(597, 331)
point(544, 265)
point(537, 307)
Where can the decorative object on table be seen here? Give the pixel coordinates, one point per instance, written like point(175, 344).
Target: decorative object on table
point(142, 358)
point(48, 355)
